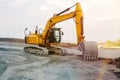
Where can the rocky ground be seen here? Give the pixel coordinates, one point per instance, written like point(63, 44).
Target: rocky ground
point(15, 64)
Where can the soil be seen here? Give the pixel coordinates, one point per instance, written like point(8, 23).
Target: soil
point(15, 64)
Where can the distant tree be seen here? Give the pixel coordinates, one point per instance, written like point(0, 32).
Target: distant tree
point(118, 42)
point(109, 42)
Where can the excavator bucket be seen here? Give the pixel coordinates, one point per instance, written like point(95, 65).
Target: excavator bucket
point(89, 50)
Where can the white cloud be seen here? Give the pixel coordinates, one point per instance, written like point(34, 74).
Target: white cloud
point(18, 2)
point(44, 7)
point(98, 16)
point(3, 0)
point(109, 19)
point(62, 3)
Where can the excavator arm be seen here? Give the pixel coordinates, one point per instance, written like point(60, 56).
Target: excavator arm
point(78, 18)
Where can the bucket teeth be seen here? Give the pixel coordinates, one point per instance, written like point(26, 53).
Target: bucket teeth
point(90, 58)
point(89, 50)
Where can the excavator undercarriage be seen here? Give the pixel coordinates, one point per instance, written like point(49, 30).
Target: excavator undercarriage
point(89, 50)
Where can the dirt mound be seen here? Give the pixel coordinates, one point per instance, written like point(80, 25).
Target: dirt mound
point(117, 62)
point(12, 40)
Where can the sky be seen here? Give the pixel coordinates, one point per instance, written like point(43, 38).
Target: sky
point(101, 18)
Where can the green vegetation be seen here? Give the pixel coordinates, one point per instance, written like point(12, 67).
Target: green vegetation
point(110, 44)
point(113, 43)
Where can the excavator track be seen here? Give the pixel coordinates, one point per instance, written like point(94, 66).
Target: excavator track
point(58, 50)
point(89, 50)
point(36, 50)
point(41, 51)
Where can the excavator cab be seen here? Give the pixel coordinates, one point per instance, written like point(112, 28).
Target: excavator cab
point(55, 35)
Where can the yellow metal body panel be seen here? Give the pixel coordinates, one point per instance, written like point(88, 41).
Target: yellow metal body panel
point(79, 23)
point(34, 39)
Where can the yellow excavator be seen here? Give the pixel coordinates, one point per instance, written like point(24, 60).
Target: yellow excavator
point(43, 43)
